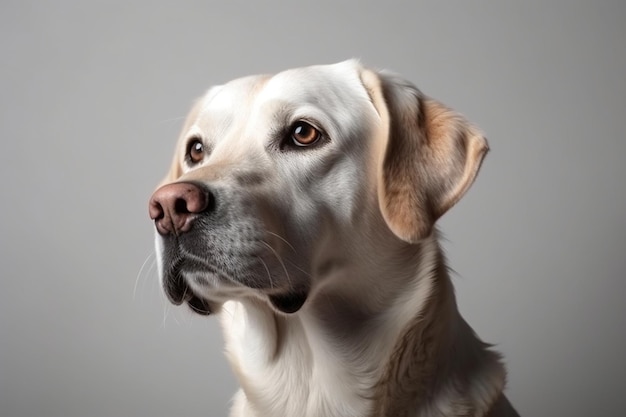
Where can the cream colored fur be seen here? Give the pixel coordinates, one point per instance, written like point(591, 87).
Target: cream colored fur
point(349, 222)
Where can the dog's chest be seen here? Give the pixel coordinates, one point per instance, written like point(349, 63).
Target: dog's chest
point(284, 371)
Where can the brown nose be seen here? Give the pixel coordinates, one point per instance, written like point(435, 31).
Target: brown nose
point(174, 206)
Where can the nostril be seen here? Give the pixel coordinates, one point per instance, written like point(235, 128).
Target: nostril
point(156, 210)
point(180, 206)
point(195, 199)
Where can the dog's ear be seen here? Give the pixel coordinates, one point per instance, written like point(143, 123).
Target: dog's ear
point(430, 158)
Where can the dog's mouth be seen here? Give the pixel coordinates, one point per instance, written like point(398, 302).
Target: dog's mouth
point(183, 294)
point(204, 283)
point(178, 291)
point(286, 303)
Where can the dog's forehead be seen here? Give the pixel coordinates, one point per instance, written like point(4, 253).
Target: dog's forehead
point(246, 112)
point(328, 86)
point(235, 95)
point(322, 85)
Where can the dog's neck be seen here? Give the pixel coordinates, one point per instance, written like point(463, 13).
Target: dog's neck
point(340, 357)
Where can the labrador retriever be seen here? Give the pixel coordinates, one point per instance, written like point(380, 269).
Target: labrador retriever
point(301, 209)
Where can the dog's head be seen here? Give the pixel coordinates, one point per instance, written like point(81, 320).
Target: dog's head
point(279, 183)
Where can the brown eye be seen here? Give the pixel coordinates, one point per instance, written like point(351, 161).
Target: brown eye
point(195, 151)
point(303, 134)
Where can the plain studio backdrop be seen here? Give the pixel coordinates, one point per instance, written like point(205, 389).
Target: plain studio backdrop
point(93, 95)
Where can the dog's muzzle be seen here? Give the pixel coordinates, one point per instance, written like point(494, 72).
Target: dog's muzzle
point(181, 212)
point(173, 208)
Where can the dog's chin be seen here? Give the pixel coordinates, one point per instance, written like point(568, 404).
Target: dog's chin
point(288, 303)
point(178, 292)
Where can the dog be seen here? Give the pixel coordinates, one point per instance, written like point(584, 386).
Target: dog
point(301, 207)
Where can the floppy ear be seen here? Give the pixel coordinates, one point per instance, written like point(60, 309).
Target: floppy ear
point(431, 158)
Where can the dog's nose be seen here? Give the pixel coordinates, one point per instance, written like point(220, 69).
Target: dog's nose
point(174, 206)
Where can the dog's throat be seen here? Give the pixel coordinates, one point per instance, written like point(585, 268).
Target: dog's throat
point(288, 303)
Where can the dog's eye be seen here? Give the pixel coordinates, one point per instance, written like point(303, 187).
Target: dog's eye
point(303, 134)
point(195, 151)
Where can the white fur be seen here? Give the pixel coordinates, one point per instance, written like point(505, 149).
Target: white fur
point(317, 211)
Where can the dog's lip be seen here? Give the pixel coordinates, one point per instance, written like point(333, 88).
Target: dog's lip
point(289, 303)
point(199, 305)
point(178, 292)
point(183, 294)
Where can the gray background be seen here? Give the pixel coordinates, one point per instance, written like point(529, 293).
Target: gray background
point(92, 96)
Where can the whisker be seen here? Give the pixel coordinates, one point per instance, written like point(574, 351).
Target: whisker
point(211, 267)
point(299, 269)
point(151, 256)
point(185, 293)
point(175, 318)
point(279, 260)
point(166, 309)
point(283, 239)
point(269, 275)
point(173, 119)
